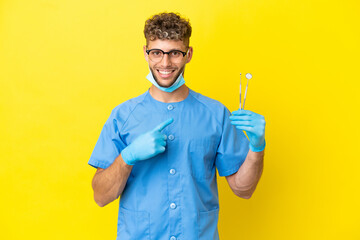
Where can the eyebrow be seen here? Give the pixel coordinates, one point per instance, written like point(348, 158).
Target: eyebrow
point(169, 50)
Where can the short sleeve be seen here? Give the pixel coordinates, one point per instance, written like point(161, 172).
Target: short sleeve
point(233, 148)
point(109, 145)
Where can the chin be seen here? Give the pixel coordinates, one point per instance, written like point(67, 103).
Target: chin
point(165, 85)
point(165, 82)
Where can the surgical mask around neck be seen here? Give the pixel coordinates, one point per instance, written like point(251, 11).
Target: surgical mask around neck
point(178, 83)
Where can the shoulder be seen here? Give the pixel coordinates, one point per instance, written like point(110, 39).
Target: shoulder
point(212, 104)
point(122, 111)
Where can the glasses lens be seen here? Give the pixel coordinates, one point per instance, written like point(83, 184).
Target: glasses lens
point(176, 56)
point(155, 55)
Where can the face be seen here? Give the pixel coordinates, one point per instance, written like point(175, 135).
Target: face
point(166, 72)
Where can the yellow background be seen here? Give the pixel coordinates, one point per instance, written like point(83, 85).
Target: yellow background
point(65, 64)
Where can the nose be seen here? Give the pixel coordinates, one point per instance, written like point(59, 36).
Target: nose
point(165, 61)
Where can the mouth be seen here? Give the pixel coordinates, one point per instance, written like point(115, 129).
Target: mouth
point(165, 73)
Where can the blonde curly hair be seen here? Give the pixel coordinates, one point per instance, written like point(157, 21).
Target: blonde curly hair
point(169, 26)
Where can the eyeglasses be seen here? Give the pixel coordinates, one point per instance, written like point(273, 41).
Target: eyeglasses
point(156, 55)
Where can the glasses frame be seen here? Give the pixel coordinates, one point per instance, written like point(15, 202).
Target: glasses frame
point(168, 53)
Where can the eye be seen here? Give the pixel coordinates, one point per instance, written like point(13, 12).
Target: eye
point(175, 53)
point(156, 53)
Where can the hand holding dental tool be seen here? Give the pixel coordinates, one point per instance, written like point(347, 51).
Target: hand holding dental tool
point(254, 126)
point(252, 123)
point(146, 145)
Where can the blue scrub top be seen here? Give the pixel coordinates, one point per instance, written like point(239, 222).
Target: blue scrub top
point(174, 195)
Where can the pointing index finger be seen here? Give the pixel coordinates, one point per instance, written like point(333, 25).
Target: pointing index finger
point(163, 125)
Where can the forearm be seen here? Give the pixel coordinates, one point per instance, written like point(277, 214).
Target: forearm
point(108, 184)
point(248, 175)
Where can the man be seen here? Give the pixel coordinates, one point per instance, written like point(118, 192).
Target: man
point(160, 150)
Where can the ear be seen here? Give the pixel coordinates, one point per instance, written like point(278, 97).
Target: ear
point(189, 54)
point(145, 54)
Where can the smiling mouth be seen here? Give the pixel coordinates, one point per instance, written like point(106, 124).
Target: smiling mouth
point(165, 73)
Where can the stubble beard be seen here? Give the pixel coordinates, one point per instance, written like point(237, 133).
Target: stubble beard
point(173, 81)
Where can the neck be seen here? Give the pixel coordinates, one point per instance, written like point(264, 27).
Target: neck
point(167, 97)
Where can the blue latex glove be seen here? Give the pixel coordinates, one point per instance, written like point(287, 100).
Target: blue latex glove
point(146, 145)
point(253, 124)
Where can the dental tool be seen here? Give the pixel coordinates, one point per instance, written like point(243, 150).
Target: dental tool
point(248, 77)
point(240, 90)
